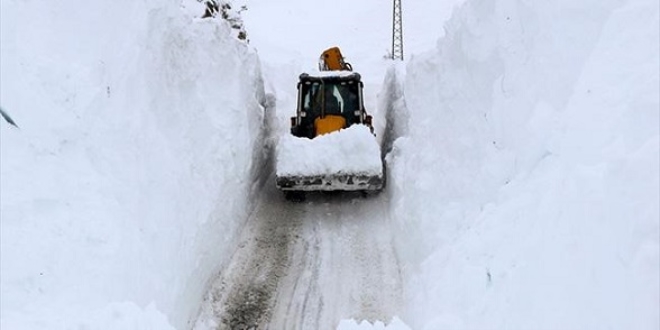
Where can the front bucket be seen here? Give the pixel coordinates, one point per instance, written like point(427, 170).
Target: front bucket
point(333, 182)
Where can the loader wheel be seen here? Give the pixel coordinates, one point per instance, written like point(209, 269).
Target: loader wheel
point(295, 196)
point(369, 193)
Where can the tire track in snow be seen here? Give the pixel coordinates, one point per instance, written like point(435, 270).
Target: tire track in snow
point(309, 265)
point(242, 296)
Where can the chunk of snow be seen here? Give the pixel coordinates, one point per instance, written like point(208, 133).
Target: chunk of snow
point(395, 324)
point(349, 151)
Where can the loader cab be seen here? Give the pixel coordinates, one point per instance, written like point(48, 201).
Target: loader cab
point(329, 97)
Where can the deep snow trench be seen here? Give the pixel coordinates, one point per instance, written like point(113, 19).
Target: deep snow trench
point(524, 195)
point(312, 264)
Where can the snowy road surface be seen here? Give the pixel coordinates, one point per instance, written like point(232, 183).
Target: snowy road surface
point(308, 266)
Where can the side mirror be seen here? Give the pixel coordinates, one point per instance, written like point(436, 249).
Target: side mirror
point(368, 120)
point(293, 121)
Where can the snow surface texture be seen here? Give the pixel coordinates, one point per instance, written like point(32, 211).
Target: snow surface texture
point(137, 129)
point(348, 151)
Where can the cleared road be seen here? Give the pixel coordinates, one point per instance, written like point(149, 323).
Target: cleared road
point(308, 265)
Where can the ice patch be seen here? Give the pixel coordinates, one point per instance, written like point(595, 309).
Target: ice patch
point(349, 151)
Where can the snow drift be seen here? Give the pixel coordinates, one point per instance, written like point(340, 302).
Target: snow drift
point(122, 192)
point(527, 192)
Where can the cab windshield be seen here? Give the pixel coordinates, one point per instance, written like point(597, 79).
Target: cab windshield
point(321, 99)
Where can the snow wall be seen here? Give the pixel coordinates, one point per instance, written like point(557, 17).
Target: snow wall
point(127, 182)
point(526, 183)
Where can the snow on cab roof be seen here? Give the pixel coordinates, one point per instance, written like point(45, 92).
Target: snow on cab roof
point(324, 74)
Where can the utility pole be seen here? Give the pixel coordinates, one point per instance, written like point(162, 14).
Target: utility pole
point(397, 32)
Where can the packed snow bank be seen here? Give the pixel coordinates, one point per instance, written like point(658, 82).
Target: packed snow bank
point(127, 180)
point(353, 150)
point(527, 189)
point(396, 324)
